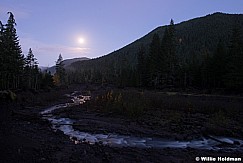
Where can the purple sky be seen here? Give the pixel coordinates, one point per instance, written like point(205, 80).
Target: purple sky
point(51, 27)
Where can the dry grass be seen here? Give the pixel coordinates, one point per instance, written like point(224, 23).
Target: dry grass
point(134, 103)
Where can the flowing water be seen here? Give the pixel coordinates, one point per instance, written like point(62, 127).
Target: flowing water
point(66, 126)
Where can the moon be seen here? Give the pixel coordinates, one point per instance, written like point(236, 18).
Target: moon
point(81, 40)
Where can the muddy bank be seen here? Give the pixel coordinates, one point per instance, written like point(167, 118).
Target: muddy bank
point(26, 137)
point(35, 141)
point(91, 127)
point(190, 118)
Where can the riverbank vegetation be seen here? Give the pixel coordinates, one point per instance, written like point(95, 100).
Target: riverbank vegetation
point(157, 114)
point(134, 103)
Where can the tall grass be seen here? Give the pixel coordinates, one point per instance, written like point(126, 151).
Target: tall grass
point(134, 103)
point(130, 103)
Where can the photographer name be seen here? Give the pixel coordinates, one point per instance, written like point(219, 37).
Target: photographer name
point(220, 159)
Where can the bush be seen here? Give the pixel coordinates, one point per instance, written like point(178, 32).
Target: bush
point(7, 96)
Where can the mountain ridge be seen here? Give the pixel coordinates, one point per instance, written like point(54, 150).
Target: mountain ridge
point(196, 40)
point(181, 28)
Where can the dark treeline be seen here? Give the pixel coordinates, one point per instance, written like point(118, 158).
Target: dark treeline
point(163, 67)
point(169, 62)
point(160, 67)
point(171, 58)
point(17, 71)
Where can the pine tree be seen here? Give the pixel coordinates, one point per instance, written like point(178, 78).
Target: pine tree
point(31, 70)
point(165, 62)
point(141, 67)
point(234, 76)
point(2, 80)
point(31, 61)
point(1, 38)
point(171, 57)
point(206, 69)
point(13, 57)
point(218, 66)
point(60, 75)
point(153, 63)
point(47, 80)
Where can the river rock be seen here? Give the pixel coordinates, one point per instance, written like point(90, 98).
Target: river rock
point(59, 132)
point(236, 142)
point(179, 137)
point(74, 139)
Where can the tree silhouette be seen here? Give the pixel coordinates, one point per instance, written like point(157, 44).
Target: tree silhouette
point(153, 62)
point(234, 76)
point(31, 70)
point(60, 75)
point(12, 57)
point(142, 67)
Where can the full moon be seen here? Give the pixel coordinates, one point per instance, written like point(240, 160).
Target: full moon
point(81, 40)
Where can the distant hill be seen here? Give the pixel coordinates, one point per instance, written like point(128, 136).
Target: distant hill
point(66, 62)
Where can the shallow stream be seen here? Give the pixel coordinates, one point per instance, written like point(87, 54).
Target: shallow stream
point(115, 140)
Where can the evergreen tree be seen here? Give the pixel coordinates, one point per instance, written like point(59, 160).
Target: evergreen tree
point(31, 70)
point(218, 66)
point(170, 50)
point(169, 61)
point(153, 62)
point(2, 80)
point(47, 80)
point(13, 60)
point(234, 76)
point(1, 38)
point(60, 75)
point(30, 60)
point(141, 67)
point(206, 69)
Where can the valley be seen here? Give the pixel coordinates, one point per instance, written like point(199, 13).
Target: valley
point(173, 95)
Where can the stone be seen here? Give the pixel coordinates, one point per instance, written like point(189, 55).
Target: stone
point(236, 142)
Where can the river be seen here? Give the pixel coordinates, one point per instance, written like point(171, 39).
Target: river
point(115, 140)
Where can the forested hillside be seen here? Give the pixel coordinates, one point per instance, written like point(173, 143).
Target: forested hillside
point(203, 51)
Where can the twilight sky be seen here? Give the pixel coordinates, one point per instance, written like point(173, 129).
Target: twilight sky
point(51, 27)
